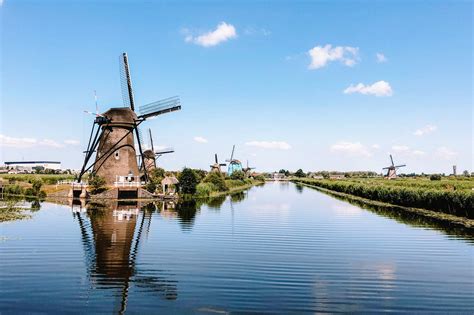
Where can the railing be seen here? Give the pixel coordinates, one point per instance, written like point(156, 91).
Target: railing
point(70, 182)
point(127, 184)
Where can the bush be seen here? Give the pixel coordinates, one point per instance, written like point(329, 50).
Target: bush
point(97, 184)
point(237, 175)
point(408, 194)
point(435, 177)
point(36, 186)
point(217, 179)
point(13, 190)
point(205, 189)
point(187, 181)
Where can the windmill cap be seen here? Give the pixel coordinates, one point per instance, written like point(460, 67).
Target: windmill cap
point(120, 116)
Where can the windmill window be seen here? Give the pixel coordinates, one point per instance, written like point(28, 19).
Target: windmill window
point(117, 156)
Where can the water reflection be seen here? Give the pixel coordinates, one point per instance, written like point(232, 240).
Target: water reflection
point(401, 215)
point(299, 188)
point(111, 236)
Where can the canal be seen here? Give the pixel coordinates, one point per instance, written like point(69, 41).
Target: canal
point(278, 248)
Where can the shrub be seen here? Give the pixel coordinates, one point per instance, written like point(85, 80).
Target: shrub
point(13, 190)
point(187, 181)
point(205, 189)
point(260, 178)
point(97, 184)
point(435, 177)
point(36, 186)
point(409, 194)
point(217, 179)
point(237, 175)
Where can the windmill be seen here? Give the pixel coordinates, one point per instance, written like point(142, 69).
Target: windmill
point(392, 169)
point(112, 241)
point(234, 164)
point(150, 155)
point(216, 167)
point(113, 134)
point(248, 169)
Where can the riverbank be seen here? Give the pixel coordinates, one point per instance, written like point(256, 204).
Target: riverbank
point(359, 193)
point(209, 190)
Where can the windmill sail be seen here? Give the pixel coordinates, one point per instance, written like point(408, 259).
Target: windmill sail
point(126, 82)
point(163, 106)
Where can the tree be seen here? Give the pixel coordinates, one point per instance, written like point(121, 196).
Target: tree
point(155, 177)
point(217, 179)
point(36, 185)
point(466, 173)
point(97, 184)
point(435, 177)
point(300, 173)
point(200, 174)
point(237, 175)
point(188, 181)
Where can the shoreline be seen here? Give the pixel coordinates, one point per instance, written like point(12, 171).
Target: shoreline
point(432, 215)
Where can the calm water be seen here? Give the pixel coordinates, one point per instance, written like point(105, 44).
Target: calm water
point(276, 249)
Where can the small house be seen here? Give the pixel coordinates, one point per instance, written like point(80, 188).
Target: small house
point(169, 185)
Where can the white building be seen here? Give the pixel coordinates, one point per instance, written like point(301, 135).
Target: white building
point(30, 165)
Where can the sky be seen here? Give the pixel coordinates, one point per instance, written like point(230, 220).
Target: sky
point(316, 85)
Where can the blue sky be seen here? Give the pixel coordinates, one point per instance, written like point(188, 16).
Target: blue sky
point(292, 84)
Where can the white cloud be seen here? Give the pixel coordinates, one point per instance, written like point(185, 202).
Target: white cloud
point(222, 33)
point(379, 88)
point(400, 148)
point(11, 142)
point(446, 153)
point(71, 142)
point(321, 56)
point(406, 151)
point(50, 143)
point(418, 153)
point(425, 130)
point(200, 139)
point(257, 31)
point(381, 58)
point(375, 146)
point(280, 145)
point(351, 148)
point(6, 141)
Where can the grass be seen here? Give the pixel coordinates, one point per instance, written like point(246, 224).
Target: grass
point(210, 190)
point(48, 179)
point(450, 196)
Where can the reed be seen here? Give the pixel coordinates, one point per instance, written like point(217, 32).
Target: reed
point(451, 198)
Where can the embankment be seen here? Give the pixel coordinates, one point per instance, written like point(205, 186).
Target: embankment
point(458, 203)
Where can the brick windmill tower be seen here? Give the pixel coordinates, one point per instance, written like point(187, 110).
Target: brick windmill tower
point(113, 134)
point(150, 155)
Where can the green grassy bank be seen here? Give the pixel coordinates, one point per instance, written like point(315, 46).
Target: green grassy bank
point(450, 196)
point(208, 189)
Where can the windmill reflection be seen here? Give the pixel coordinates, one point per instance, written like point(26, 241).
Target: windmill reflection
point(111, 238)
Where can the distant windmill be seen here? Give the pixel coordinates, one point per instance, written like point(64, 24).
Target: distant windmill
point(216, 167)
point(234, 165)
point(248, 168)
point(392, 169)
point(113, 140)
point(150, 155)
